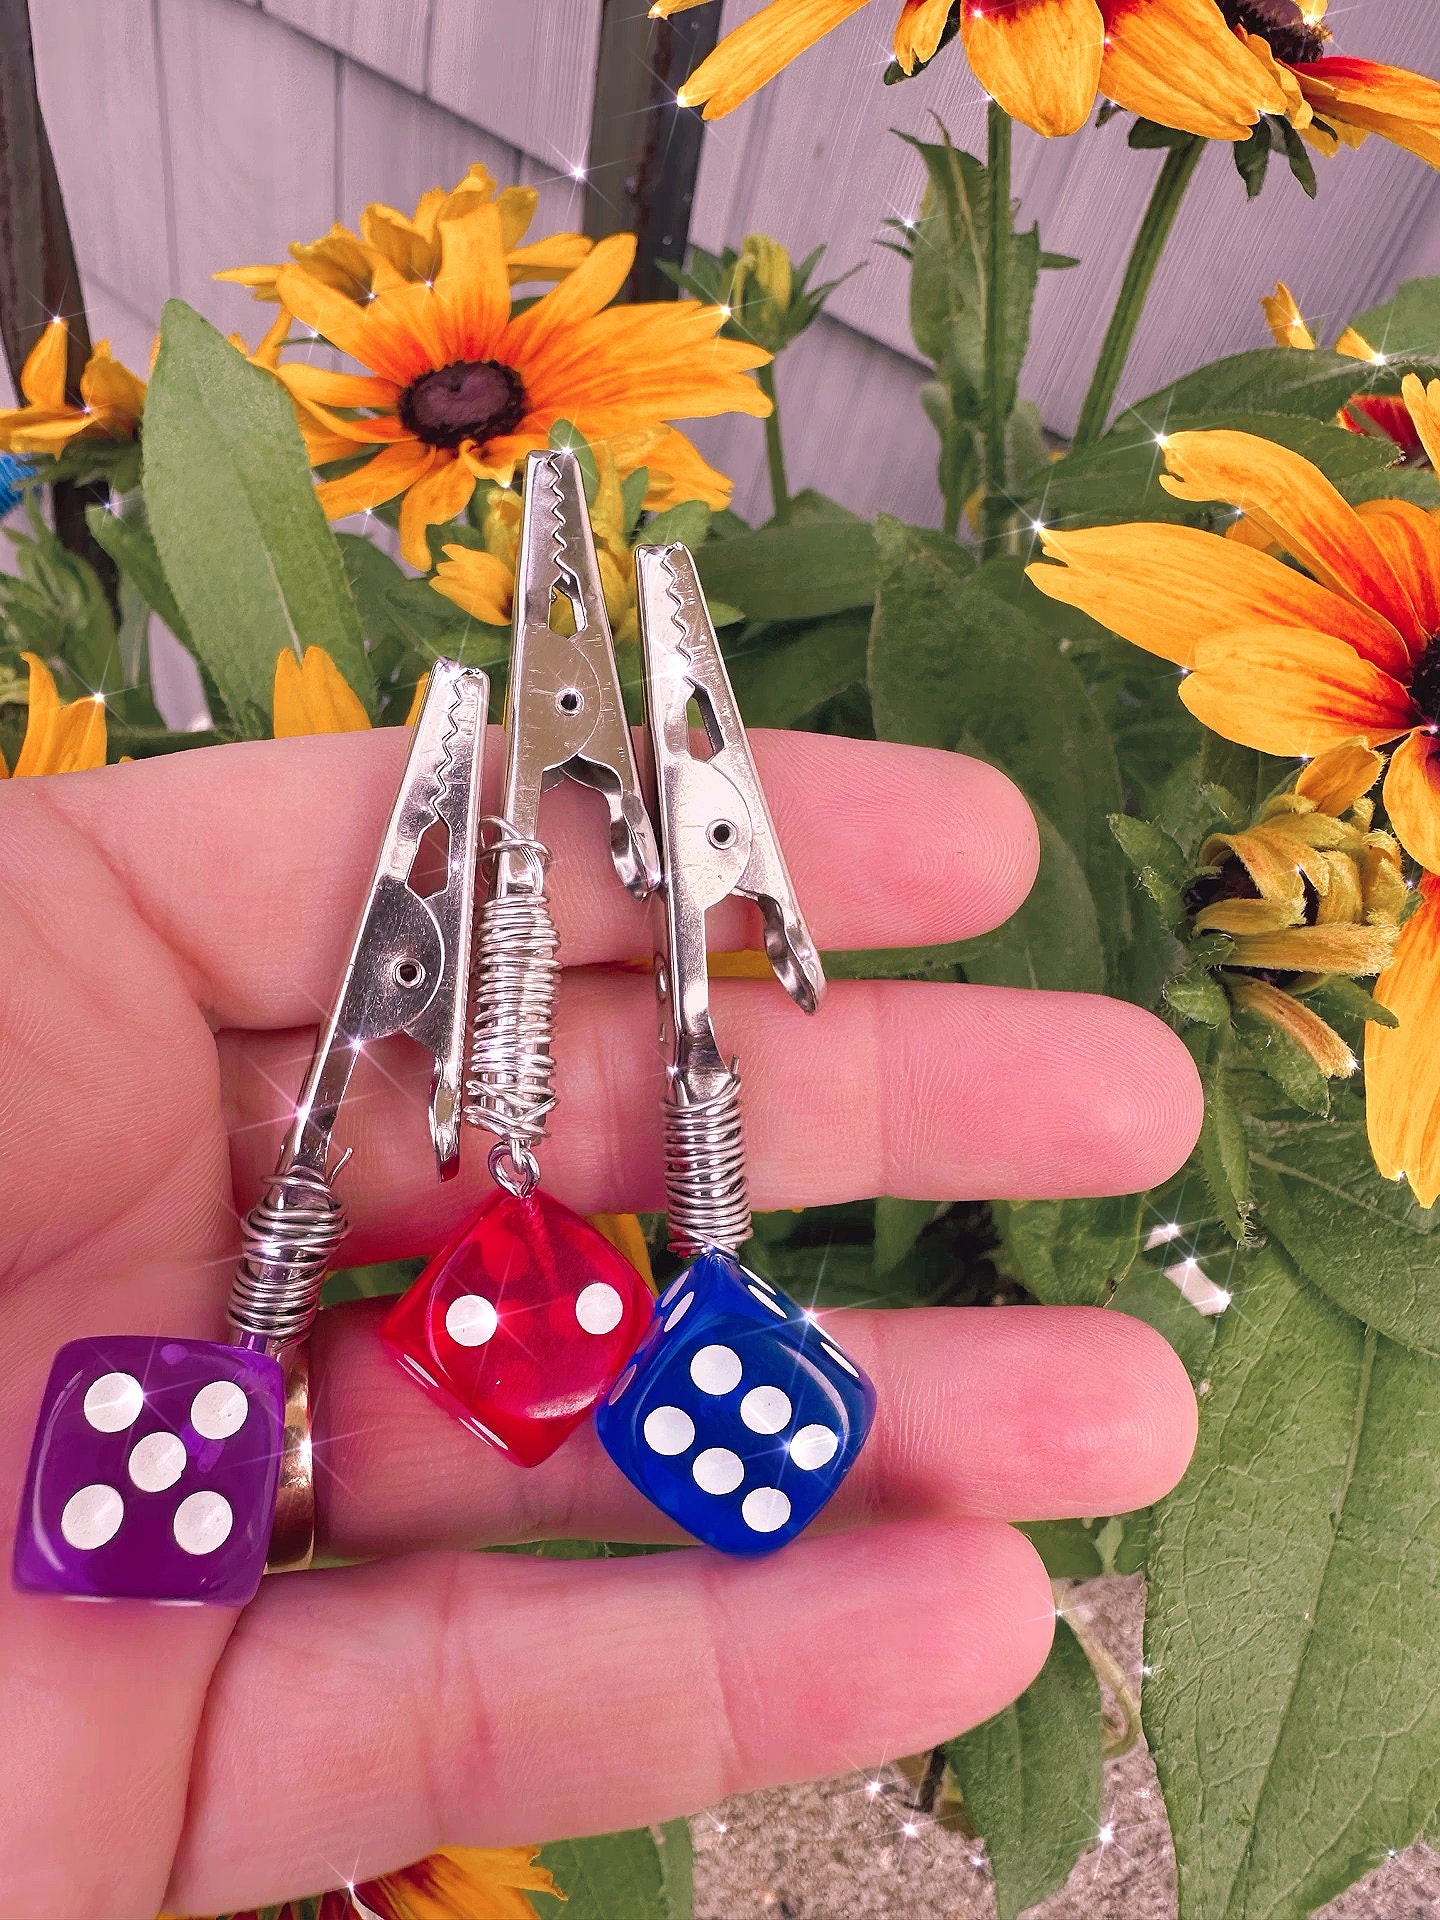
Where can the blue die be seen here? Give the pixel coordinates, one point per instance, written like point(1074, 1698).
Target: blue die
point(738, 1416)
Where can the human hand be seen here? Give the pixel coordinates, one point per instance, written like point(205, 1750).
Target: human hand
point(172, 930)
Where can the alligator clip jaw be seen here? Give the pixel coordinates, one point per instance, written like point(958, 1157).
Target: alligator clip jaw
point(565, 711)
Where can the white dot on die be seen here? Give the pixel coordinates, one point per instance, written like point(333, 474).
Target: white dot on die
point(157, 1462)
point(764, 1509)
point(203, 1522)
point(717, 1470)
point(814, 1447)
point(765, 1301)
point(716, 1369)
point(669, 1430)
point(841, 1359)
point(765, 1409)
point(679, 1311)
point(219, 1410)
point(599, 1308)
point(114, 1402)
point(92, 1516)
point(471, 1320)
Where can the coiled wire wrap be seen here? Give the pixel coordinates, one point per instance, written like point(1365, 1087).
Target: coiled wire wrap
point(287, 1240)
point(508, 1086)
point(707, 1199)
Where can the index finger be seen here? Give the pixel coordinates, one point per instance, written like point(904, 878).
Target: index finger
point(251, 861)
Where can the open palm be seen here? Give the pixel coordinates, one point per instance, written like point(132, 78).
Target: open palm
point(170, 933)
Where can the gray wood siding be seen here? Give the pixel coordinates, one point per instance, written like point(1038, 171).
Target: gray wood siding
point(198, 134)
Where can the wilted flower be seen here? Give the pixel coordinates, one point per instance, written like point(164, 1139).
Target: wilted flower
point(112, 399)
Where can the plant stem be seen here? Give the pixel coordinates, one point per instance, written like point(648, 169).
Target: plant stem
point(997, 288)
point(1107, 1668)
point(774, 449)
point(1180, 164)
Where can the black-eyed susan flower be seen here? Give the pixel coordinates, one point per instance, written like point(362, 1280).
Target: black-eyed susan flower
point(460, 389)
point(60, 736)
point(1309, 890)
point(493, 1882)
point(1384, 413)
point(112, 399)
point(1045, 61)
point(411, 242)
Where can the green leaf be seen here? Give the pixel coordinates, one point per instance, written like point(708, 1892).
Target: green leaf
point(1032, 1778)
point(564, 434)
point(1198, 997)
point(1361, 1239)
point(677, 1869)
point(778, 686)
point(898, 1225)
point(1066, 1546)
point(791, 573)
point(1252, 157)
point(1225, 1155)
point(1146, 1294)
point(53, 604)
point(688, 523)
point(251, 561)
point(1293, 1638)
point(1071, 1253)
point(614, 1876)
point(1407, 326)
point(1288, 1064)
point(1301, 165)
point(1263, 380)
point(1341, 999)
point(1145, 846)
point(131, 545)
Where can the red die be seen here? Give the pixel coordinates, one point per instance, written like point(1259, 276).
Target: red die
point(521, 1324)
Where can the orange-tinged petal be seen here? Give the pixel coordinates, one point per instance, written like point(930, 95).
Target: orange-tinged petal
point(1166, 587)
point(1355, 346)
point(443, 492)
point(1040, 59)
point(417, 699)
point(479, 583)
point(381, 331)
point(1422, 403)
point(1412, 797)
point(918, 31)
point(42, 378)
point(488, 1881)
point(1402, 1064)
point(517, 209)
point(548, 259)
point(1403, 107)
point(1410, 540)
point(1284, 319)
point(36, 431)
point(1292, 500)
point(1335, 779)
point(108, 386)
point(758, 49)
point(391, 471)
point(472, 288)
point(1177, 62)
point(579, 297)
point(260, 280)
point(59, 738)
point(337, 389)
point(1286, 691)
point(678, 471)
point(1320, 1041)
point(1297, 108)
point(624, 1231)
point(313, 696)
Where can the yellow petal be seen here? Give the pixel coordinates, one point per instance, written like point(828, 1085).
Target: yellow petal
point(548, 259)
point(59, 738)
point(1165, 588)
point(472, 286)
point(1423, 405)
point(1335, 779)
point(678, 471)
point(1293, 501)
point(1285, 691)
point(1410, 541)
point(391, 471)
point(313, 696)
point(439, 496)
point(1321, 1042)
point(1177, 62)
point(488, 1881)
point(260, 280)
point(580, 296)
point(1402, 1064)
point(109, 387)
point(1284, 318)
point(42, 378)
point(1247, 917)
point(1356, 347)
point(479, 583)
point(758, 49)
point(1401, 106)
point(1040, 59)
point(1412, 797)
point(517, 209)
point(918, 31)
point(1347, 949)
point(1297, 108)
point(624, 1231)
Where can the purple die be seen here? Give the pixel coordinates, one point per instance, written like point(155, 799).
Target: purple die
point(153, 1472)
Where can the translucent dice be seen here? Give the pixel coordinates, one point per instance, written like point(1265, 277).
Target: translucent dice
point(738, 1416)
point(153, 1472)
point(521, 1324)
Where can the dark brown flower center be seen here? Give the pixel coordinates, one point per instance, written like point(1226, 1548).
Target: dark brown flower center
point(1231, 881)
point(472, 400)
point(1425, 682)
point(1292, 35)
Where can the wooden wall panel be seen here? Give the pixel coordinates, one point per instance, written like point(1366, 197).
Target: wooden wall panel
point(250, 108)
point(390, 35)
point(393, 145)
point(100, 92)
point(524, 71)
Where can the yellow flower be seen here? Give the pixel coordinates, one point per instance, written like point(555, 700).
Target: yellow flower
point(1045, 61)
point(456, 1883)
point(1386, 412)
point(1308, 890)
point(113, 399)
point(60, 737)
point(313, 696)
point(1287, 325)
point(346, 260)
point(462, 389)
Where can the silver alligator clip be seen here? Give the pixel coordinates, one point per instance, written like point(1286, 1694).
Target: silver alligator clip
point(408, 972)
point(718, 839)
point(566, 719)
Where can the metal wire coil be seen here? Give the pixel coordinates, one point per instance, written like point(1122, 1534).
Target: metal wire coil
point(508, 1087)
point(705, 1189)
point(287, 1240)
